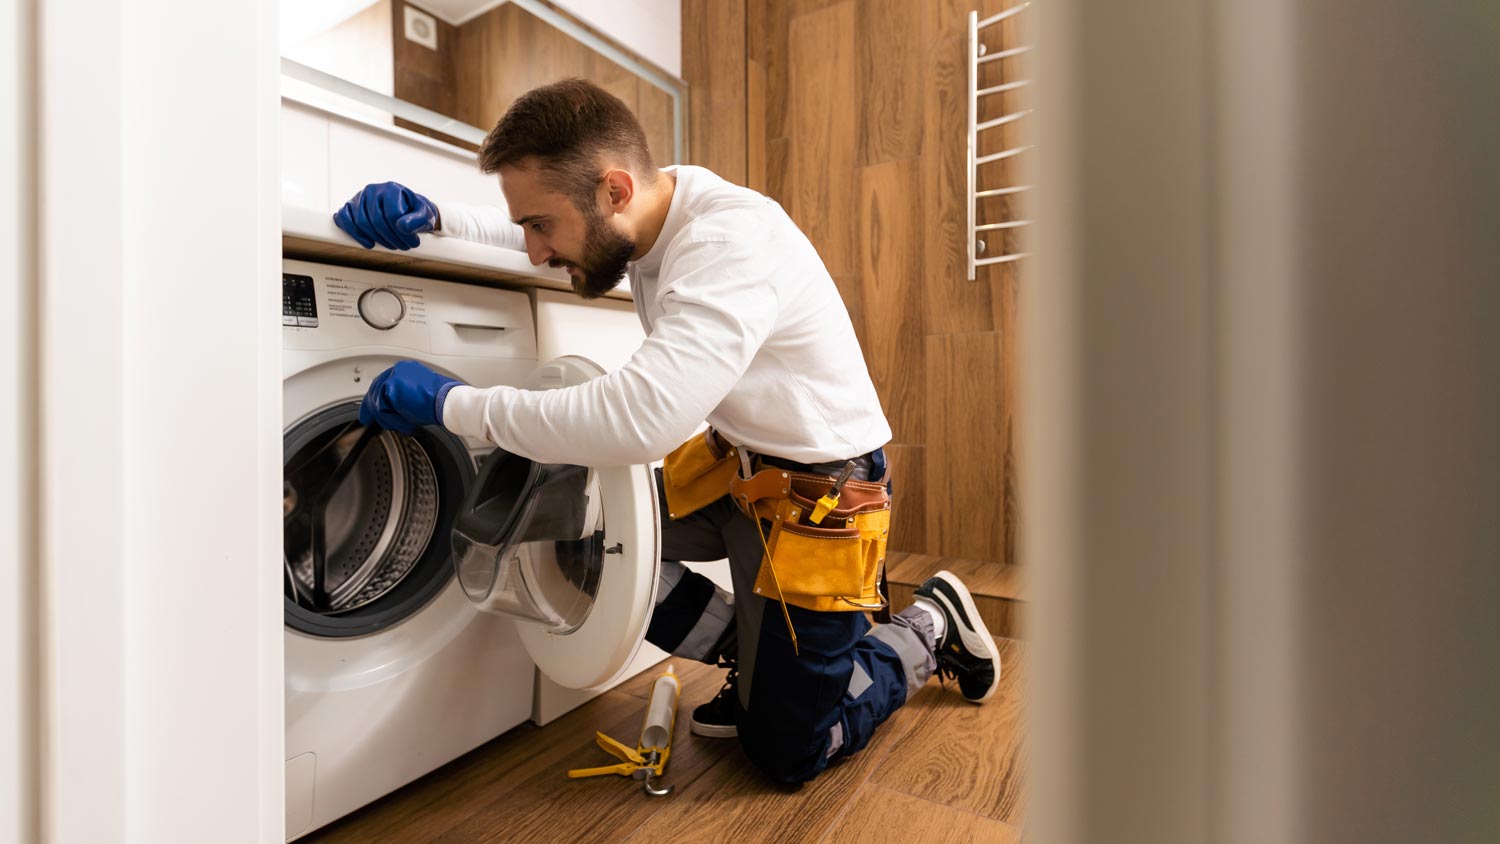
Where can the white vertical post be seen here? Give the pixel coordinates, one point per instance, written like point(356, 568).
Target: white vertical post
point(18, 712)
point(1119, 421)
point(1262, 419)
point(1259, 787)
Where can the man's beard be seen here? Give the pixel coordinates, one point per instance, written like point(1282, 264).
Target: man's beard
point(606, 253)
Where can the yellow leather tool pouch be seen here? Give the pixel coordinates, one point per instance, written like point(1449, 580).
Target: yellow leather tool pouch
point(833, 566)
point(697, 474)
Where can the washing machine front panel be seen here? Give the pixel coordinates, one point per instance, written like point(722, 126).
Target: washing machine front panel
point(367, 713)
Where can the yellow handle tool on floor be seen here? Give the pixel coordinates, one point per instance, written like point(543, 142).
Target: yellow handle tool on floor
point(649, 758)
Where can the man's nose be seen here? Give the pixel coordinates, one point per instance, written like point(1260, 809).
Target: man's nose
point(536, 250)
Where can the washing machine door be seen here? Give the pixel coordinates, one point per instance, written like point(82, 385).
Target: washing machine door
point(572, 553)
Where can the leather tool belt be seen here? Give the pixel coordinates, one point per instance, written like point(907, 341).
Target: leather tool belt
point(698, 473)
point(831, 566)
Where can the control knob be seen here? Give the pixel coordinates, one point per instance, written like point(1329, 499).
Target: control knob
point(381, 307)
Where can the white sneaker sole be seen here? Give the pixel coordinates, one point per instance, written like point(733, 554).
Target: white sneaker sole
point(977, 640)
point(712, 730)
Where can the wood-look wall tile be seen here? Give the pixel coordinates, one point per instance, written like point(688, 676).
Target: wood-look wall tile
point(1001, 279)
point(892, 51)
point(614, 79)
point(801, 48)
point(1004, 296)
point(767, 28)
point(778, 171)
point(758, 19)
point(822, 124)
point(908, 498)
point(966, 431)
point(713, 56)
point(766, 23)
point(755, 126)
point(854, 303)
point(890, 279)
point(654, 109)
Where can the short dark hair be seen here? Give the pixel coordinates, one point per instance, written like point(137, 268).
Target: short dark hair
point(570, 127)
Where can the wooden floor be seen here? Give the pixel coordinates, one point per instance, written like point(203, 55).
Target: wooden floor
point(941, 769)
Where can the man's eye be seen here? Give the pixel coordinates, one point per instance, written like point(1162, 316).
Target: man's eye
point(538, 227)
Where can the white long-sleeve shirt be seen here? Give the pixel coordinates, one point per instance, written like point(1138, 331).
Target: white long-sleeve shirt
point(744, 328)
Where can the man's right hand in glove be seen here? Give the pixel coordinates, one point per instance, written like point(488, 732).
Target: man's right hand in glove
point(389, 214)
point(406, 397)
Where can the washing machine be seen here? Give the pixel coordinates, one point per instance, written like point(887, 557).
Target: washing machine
point(398, 659)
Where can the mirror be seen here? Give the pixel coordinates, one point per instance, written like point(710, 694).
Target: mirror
point(449, 69)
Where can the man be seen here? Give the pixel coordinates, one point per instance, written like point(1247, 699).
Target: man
point(745, 329)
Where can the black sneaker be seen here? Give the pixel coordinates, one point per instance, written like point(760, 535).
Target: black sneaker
point(967, 652)
point(716, 719)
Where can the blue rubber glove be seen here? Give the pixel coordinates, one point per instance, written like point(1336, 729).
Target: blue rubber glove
point(406, 397)
point(389, 214)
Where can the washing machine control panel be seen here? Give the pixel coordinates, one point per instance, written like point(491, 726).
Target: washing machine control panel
point(381, 308)
point(299, 304)
point(329, 308)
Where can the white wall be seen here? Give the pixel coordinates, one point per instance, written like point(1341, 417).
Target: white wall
point(652, 28)
point(160, 419)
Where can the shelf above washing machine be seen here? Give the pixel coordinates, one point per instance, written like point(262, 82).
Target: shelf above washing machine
point(309, 234)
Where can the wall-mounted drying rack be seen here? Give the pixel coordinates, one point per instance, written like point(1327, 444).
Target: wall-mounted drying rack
point(978, 55)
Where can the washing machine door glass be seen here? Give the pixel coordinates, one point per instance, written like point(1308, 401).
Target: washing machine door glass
point(365, 516)
point(529, 541)
point(570, 552)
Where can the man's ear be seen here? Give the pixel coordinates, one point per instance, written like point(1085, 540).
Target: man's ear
point(621, 189)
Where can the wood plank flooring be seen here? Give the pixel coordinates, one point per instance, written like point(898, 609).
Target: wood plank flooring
point(941, 769)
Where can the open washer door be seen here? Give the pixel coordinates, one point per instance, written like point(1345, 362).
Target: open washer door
point(572, 553)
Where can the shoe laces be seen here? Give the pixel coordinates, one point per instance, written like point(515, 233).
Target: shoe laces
point(731, 678)
point(947, 666)
point(945, 672)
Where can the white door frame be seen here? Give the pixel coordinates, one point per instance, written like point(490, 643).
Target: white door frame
point(142, 423)
point(18, 437)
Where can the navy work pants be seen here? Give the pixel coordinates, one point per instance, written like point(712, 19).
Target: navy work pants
point(797, 711)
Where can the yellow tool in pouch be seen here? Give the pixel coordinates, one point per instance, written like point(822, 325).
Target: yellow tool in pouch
point(697, 474)
point(649, 758)
point(830, 499)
